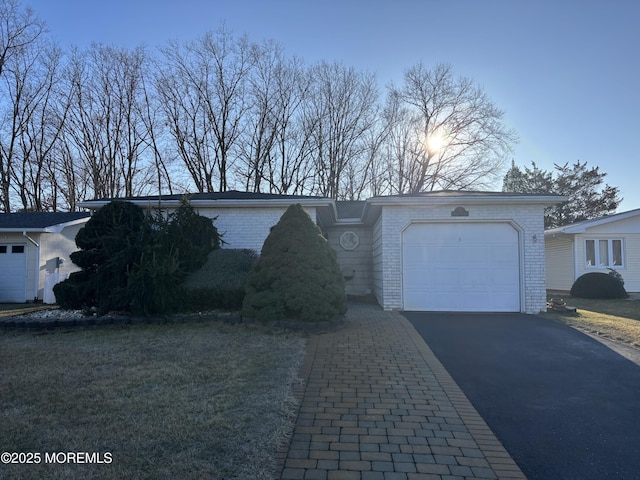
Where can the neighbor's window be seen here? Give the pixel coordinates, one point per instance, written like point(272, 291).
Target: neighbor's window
point(603, 253)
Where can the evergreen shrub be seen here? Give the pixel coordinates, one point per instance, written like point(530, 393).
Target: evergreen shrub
point(220, 283)
point(133, 260)
point(112, 239)
point(297, 274)
point(598, 285)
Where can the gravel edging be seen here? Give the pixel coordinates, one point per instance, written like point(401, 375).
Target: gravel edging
point(57, 318)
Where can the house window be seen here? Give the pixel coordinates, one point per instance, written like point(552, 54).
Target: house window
point(604, 253)
point(3, 249)
point(17, 249)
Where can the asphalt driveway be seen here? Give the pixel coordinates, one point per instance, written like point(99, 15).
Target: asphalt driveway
point(564, 405)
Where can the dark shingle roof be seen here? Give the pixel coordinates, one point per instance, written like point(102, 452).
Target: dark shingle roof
point(461, 193)
point(38, 220)
point(350, 208)
point(228, 195)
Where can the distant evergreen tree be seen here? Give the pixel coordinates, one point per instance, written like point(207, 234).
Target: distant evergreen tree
point(587, 198)
point(532, 180)
point(297, 275)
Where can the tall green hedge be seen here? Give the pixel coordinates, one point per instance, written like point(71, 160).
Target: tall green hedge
point(297, 275)
point(219, 283)
point(133, 260)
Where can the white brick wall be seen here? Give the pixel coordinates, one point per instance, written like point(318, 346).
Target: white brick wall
point(378, 283)
point(247, 227)
point(529, 220)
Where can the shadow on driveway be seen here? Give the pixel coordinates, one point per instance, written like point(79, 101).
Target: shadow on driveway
point(564, 405)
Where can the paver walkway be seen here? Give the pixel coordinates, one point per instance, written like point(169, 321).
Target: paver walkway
point(376, 404)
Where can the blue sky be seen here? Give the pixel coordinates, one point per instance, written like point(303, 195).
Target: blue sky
point(565, 72)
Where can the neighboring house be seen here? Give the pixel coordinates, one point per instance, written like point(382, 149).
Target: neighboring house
point(34, 253)
point(439, 251)
point(610, 242)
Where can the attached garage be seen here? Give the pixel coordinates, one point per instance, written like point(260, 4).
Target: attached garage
point(463, 267)
point(13, 265)
point(459, 251)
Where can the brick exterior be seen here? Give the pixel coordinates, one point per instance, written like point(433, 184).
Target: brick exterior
point(247, 227)
point(387, 242)
point(376, 263)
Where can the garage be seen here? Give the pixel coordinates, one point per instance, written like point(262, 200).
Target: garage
point(464, 267)
point(13, 265)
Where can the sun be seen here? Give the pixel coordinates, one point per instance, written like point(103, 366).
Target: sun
point(436, 141)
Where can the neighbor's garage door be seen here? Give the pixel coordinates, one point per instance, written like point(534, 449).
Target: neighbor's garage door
point(466, 267)
point(13, 273)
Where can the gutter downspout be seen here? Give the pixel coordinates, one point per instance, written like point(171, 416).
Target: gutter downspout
point(37, 279)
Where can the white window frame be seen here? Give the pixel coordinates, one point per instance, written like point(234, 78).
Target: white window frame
point(596, 249)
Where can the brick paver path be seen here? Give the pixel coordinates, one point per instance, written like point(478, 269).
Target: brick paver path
point(377, 405)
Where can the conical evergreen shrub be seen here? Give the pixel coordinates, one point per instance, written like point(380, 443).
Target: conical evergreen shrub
point(297, 275)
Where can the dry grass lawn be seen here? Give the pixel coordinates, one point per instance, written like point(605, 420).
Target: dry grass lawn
point(614, 319)
point(202, 400)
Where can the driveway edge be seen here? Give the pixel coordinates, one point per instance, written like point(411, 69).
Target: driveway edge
point(499, 459)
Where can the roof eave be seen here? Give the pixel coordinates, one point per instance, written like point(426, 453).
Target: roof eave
point(24, 229)
point(545, 200)
point(581, 227)
point(220, 203)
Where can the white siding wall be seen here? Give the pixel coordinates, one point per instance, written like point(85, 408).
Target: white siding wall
point(560, 262)
point(247, 227)
point(54, 245)
point(356, 261)
point(528, 219)
point(631, 247)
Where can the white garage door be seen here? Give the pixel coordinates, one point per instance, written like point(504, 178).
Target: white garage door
point(463, 267)
point(13, 273)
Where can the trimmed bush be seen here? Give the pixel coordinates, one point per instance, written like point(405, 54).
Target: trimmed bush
point(113, 238)
point(135, 261)
point(297, 275)
point(598, 285)
point(219, 284)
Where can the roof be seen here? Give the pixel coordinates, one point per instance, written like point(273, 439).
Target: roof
point(220, 199)
point(582, 226)
point(350, 208)
point(38, 221)
point(467, 195)
point(330, 211)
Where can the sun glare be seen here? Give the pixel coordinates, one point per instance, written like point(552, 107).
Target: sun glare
point(436, 141)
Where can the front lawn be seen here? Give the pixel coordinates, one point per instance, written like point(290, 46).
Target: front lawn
point(615, 319)
point(201, 400)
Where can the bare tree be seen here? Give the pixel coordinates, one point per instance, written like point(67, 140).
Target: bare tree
point(203, 88)
point(105, 124)
point(20, 29)
point(449, 135)
point(340, 111)
point(274, 150)
point(41, 116)
point(261, 120)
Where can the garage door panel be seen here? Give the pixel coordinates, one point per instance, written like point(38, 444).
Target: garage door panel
point(461, 267)
point(13, 265)
point(475, 279)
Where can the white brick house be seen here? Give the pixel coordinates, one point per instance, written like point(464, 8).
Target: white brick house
point(447, 251)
